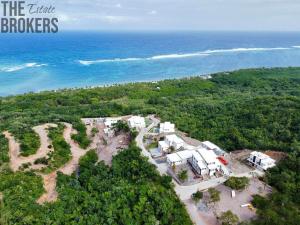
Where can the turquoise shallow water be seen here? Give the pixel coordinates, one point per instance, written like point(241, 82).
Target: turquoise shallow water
point(78, 59)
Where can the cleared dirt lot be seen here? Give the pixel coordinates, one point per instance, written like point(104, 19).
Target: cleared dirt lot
point(233, 204)
point(107, 147)
point(237, 161)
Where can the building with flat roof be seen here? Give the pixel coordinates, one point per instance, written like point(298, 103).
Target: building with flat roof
point(203, 161)
point(137, 122)
point(166, 127)
point(198, 163)
point(109, 122)
point(163, 146)
point(174, 141)
point(174, 160)
point(261, 160)
point(207, 158)
point(179, 158)
point(171, 141)
point(209, 145)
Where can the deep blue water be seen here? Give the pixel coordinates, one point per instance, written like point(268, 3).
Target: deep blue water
point(78, 59)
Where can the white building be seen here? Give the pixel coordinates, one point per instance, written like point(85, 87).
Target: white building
point(163, 146)
point(261, 160)
point(198, 163)
point(166, 127)
point(174, 141)
point(109, 122)
point(205, 162)
point(210, 159)
point(179, 158)
point(137, 122)
point(211, 146)
point(169, 142)
point(174, 160)
point(202, 160)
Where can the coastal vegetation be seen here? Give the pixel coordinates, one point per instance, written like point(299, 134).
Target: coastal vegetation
point(254, 109)
point(29, 142)
point(130, 192)
point(283, 205)
point(62, 150)
point(237, 183)
point(3, 150)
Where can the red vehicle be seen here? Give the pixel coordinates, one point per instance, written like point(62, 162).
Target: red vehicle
point(223, 160)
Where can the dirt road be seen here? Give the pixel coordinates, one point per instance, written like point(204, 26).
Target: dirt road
point(14, 147)
point(183, 192)
point(76, 151)
point(51, 194)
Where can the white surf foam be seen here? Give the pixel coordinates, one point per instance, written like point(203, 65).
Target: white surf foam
point(296, 46)
point(174, 56)
point(21, 67)
point(243, 50)
point(186, 55)
point(90, 62)
point(158, 57)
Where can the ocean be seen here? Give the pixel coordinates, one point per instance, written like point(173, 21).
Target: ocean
point(38, 62)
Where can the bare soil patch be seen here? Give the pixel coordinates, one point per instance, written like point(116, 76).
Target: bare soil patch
point(107, 147)
point(234, 204)
point(276, 155)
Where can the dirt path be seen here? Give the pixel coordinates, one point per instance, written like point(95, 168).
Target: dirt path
point(49, 180)
point(51, 194)
point(77, 152)
point(14, 147)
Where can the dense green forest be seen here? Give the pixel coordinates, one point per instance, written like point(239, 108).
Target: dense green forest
point(130, 192)
point(255, 109)
point(283, 205)
point(3, 150)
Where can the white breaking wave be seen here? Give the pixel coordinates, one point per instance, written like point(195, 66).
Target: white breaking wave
point(297, 46)
point(243, 50)
point(21, 67)
point(87, 62)
point(174, 56)
point(158, 57)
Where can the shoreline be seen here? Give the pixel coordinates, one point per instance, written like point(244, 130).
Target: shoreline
point(203, 76)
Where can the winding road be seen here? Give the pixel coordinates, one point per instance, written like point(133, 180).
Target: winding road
point(183, 192)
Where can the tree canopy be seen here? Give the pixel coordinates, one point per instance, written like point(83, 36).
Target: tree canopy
point(254, 109)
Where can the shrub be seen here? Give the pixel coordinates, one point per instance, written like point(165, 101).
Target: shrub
point(214, 195)
point(183, 175)
point(237, 183)
point(197, 196)
point(228, 218)
point(43, 161)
